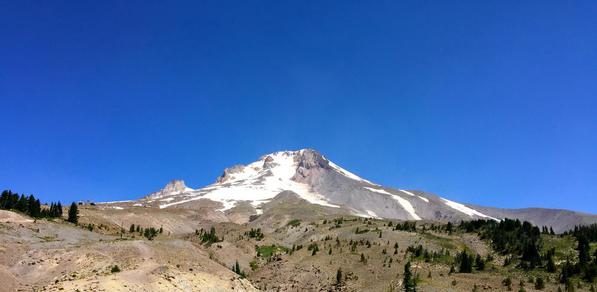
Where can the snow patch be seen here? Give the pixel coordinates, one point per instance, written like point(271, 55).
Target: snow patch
point(114, 202)
point(466, 210)
point(407, 207)
point(372, 214)
point(411, 194)
point(348, 173)
point(378, 191)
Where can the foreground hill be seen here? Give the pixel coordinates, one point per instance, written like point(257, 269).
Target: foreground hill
point(45, 255)
point(292, 246)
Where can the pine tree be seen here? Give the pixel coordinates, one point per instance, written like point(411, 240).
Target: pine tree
point(31, 206)
point(508, 283)
point(36, 209)
point(479, 263)
point(21, 204)
point(465, 263)
point(539, 283)
point(409, 283)
point(237, 270)
point(5, 199)
point(73, 213)
point(551, 266)
point(583, 251)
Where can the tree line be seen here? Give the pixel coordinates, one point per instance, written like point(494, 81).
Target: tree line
point(29, 205)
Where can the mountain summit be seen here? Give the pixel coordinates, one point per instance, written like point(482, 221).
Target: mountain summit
point(243, 191)
point(312, 177)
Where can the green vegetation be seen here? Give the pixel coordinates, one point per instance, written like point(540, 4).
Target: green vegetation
point(314, 248)
point(406, 226)
point(409, 283)
point(522, 240)
point(294, 222)
point(266, 251)
point(29, 205)
point(73, 214)
point(208, 238)
point(539, 284)
point(115, 269)
point(361, 231)
point(237, 270)
point(150, 233)
point(255, 233)
point(253, 265)
point(339, 277)
point(466, 262)
point(444, 242)
point(421, 253)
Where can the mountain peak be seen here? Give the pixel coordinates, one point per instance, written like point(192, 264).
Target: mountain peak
point(175, 186)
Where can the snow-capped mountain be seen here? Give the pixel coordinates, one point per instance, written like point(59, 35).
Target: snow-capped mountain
point(245, 190)
point(315, 179)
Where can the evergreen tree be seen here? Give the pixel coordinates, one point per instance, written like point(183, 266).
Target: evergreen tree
point(508, 283)
point(73, 214)
point(237, 270)
point(409, 282)
point(30, 206)
point(339, 277)
point(539, 283)
point(465, 262)
point(21, 205)
point(551, 266)
point(59, 209)
point(583, 251)
point(5, 199)
point(37, 209)
point(479, 263)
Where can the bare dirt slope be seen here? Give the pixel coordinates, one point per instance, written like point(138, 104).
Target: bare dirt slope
point(50, 256)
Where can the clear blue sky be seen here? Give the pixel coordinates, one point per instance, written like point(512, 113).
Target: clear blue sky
point(485, 102)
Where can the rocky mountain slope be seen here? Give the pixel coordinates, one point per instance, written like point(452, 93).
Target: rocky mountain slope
point(242, 190)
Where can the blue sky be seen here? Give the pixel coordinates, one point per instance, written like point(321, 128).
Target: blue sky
point(491, 103)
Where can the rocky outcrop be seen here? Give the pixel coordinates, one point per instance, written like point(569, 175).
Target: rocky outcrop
point(173, 187)
point(228, 172)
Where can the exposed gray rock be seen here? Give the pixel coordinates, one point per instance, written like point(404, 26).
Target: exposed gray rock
point(173, 187)
point(228, 172)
